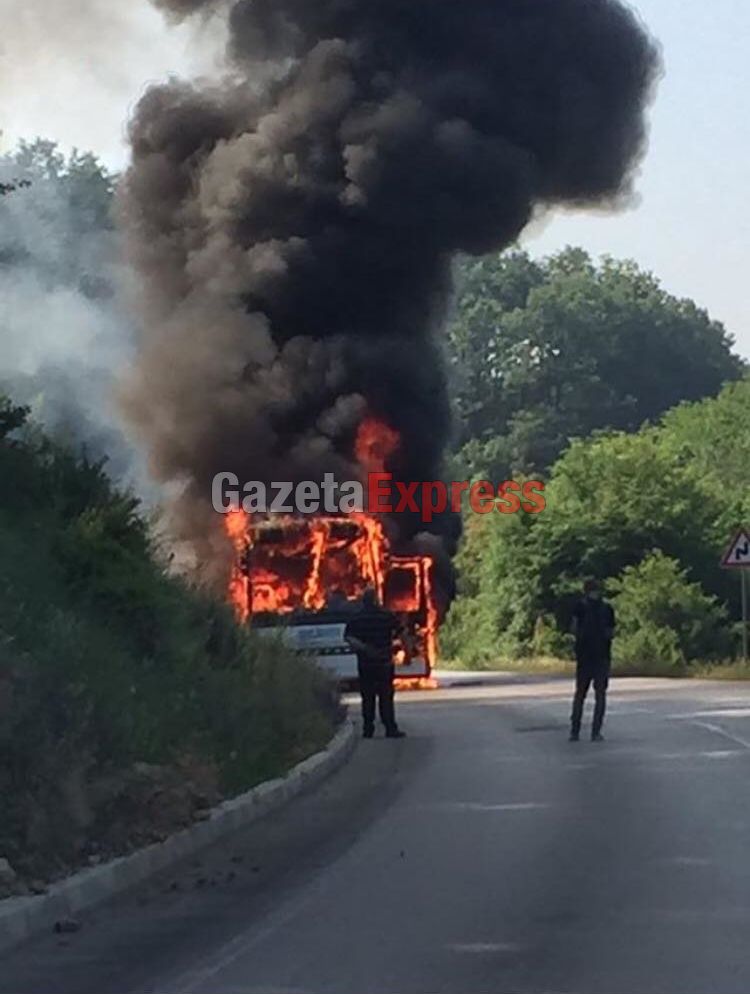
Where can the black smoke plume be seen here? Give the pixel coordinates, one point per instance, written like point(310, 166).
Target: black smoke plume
point(294, 227)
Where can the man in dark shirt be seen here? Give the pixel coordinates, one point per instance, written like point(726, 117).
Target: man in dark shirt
point(370, 633)
point(593, 627)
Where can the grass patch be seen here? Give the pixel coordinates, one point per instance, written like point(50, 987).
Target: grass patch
point(729, 670)
point(551, 666)
point(542, 665)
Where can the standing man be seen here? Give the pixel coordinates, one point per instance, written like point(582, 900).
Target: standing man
point(594, 627)
point(370, 634)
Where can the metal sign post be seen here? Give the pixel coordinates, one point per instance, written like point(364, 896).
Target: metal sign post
point(737, 557)
point(743, 574)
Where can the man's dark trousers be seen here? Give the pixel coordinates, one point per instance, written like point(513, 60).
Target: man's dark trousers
point(591, 668)
point(376, 684)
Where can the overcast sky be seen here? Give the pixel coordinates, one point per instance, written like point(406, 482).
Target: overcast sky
point(71, 70)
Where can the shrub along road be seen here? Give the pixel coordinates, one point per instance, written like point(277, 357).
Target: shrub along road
point(483, 853)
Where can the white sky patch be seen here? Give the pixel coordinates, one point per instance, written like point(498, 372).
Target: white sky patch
point(74, 69)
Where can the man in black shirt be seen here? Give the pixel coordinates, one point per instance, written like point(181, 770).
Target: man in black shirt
point(370, 633)
point(593, 627)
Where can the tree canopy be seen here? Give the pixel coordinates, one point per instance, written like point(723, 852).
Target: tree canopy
point(613, 502)
point(59, 218)
point(541, 352)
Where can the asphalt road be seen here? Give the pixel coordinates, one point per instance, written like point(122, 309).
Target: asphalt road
point(484, 853)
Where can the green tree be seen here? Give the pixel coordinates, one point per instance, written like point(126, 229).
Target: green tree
point(678, 488)
point(12, 186)
point(12, 417)
point(61, 226)
point(483, 623)
point(543, 352)
point(712, 440)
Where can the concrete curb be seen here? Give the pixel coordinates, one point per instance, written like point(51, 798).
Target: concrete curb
point(22, 917)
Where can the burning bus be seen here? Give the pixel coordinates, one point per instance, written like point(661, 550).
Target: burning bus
point(294, 234)
point(304, 577)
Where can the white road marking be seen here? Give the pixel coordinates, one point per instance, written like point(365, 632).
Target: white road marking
point(480, 806)
point(266, 990)
point(618, 712)
point(743, 712)
point(739, 739)
point(485, 947)
point(687, 861)
point(721, 753)
point(292, 907)
point(196, 978)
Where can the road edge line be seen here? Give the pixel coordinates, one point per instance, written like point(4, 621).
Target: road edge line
point(23, 917)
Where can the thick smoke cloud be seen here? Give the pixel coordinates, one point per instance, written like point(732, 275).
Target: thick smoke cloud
point(295, 237)
point(64, 324)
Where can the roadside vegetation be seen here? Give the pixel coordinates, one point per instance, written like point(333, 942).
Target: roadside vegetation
point(599, 383)
point(129, 703)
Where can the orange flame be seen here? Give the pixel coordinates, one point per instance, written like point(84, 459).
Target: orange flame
point(314, 597)
point(416, 683)
point(375, 443)
point(303, 562)
point(237, 524)
point(283, 564)
point(371, 550)
point(432, 614)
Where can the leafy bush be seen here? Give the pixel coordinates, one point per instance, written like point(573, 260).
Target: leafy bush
point(663, 620)
point(493, 616)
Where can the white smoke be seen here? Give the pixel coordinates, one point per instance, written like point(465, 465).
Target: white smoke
point(70, 71)
point(65, 331)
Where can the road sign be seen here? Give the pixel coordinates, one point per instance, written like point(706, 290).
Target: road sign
point(738, 554)
point(738, 557)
